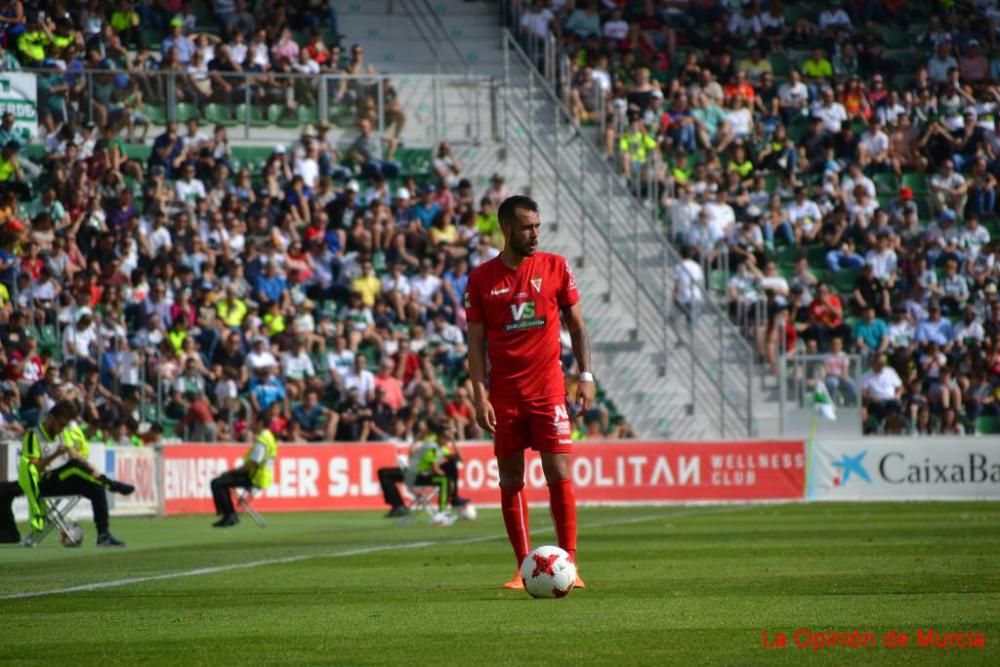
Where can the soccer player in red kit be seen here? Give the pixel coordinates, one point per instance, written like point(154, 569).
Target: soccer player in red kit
point(514, 303)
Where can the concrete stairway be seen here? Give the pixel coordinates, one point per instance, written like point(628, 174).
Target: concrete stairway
point(706, 387)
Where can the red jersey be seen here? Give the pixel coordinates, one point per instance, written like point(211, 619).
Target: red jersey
point(521, 311)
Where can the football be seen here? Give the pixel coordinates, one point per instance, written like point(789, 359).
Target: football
point(548, 572)
point(72, 536)
point(467, 512)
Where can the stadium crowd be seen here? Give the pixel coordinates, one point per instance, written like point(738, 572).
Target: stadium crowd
point(175, 289)
point(839, 160)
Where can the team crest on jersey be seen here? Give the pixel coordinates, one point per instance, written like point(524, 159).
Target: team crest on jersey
point(536, 282)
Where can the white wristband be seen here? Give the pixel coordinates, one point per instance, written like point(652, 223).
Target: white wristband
point(586, 376)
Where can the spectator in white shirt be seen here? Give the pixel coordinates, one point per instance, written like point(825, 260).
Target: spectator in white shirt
point(360, 378)
point(689, 286)
point(260, 359)
point(829, 111)
point(539, 21)
point(873, 148)
point(882, 389)
point(189, 189)
point(793, 97)
point(883, 260)
point(339, 360)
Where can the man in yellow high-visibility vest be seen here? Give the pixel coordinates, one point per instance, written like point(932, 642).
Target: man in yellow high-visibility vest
point(256, 472)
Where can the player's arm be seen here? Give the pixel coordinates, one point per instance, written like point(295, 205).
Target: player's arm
point(573, 317)
point(485, 416)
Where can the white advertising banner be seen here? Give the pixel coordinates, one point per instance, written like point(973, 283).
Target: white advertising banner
point(961, 468)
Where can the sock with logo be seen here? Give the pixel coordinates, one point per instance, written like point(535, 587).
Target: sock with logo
point(562, 503)
point(515, 517)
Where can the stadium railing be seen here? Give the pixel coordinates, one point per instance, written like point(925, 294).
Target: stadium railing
point(455, 107)
point(534, 121)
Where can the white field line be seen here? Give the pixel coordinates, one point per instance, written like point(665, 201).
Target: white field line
point(360, 551)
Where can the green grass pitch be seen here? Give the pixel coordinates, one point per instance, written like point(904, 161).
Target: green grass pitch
point(666, 585)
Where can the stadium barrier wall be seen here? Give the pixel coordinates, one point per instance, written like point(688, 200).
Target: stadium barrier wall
point(345, 476)
point(131, 464)
point(895, 468)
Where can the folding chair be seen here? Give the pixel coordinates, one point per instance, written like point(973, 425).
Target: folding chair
point(56, 516)
point(244, 504)
point(423, 498)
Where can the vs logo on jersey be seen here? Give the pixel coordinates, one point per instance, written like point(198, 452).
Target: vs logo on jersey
point(524, 316)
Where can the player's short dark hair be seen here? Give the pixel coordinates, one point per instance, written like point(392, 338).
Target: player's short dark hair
point(64, 409)
point(507, 213)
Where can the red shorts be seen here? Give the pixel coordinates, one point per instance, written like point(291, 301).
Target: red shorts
point(540, 425)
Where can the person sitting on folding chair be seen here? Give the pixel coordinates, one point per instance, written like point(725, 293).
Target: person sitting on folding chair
point(433, 462)
point(255, 473)
point(50, 468)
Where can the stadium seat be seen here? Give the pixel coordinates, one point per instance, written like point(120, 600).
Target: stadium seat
point(185, 112)
point(916, 182)
point(307, 115)
point(277, 114)
point(219, 114)
point(779, 64)
point(156, 114)
point(987, 425)
point(885, 182)
point(256, 118)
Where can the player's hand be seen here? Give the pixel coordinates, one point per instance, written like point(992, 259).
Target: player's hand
point(585, 395)
point(485, 416)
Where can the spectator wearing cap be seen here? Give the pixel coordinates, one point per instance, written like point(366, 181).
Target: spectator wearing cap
point(178, 41)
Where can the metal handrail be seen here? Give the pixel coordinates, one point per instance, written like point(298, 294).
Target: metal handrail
point(442, 30)
point(744, 350)
point(641, 288)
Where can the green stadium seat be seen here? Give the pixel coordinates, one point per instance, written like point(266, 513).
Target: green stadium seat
point(916, 182)
point(307, 115)
point(256, 118)
point(218, 114)
point(185, 112)
point(156, 114)
point(885, 182)
point(277, 114)
point(986, 425)
point(779, 64)
point(843, 281)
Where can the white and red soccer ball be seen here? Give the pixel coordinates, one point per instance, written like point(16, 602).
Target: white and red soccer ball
point(72, 536)
point(548, 572)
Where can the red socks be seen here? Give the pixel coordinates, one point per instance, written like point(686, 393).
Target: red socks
point(562, 502)
point(515, 517)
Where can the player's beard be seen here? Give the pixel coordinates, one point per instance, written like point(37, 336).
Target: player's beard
point(523, 248)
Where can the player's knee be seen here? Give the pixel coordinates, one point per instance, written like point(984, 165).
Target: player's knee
point(556, 468)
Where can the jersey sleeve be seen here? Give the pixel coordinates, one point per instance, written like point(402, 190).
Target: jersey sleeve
point(568, 294)
point(474, 310)
point(257, 453)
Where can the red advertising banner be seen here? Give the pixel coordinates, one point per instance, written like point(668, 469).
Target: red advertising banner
point(345, 476)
